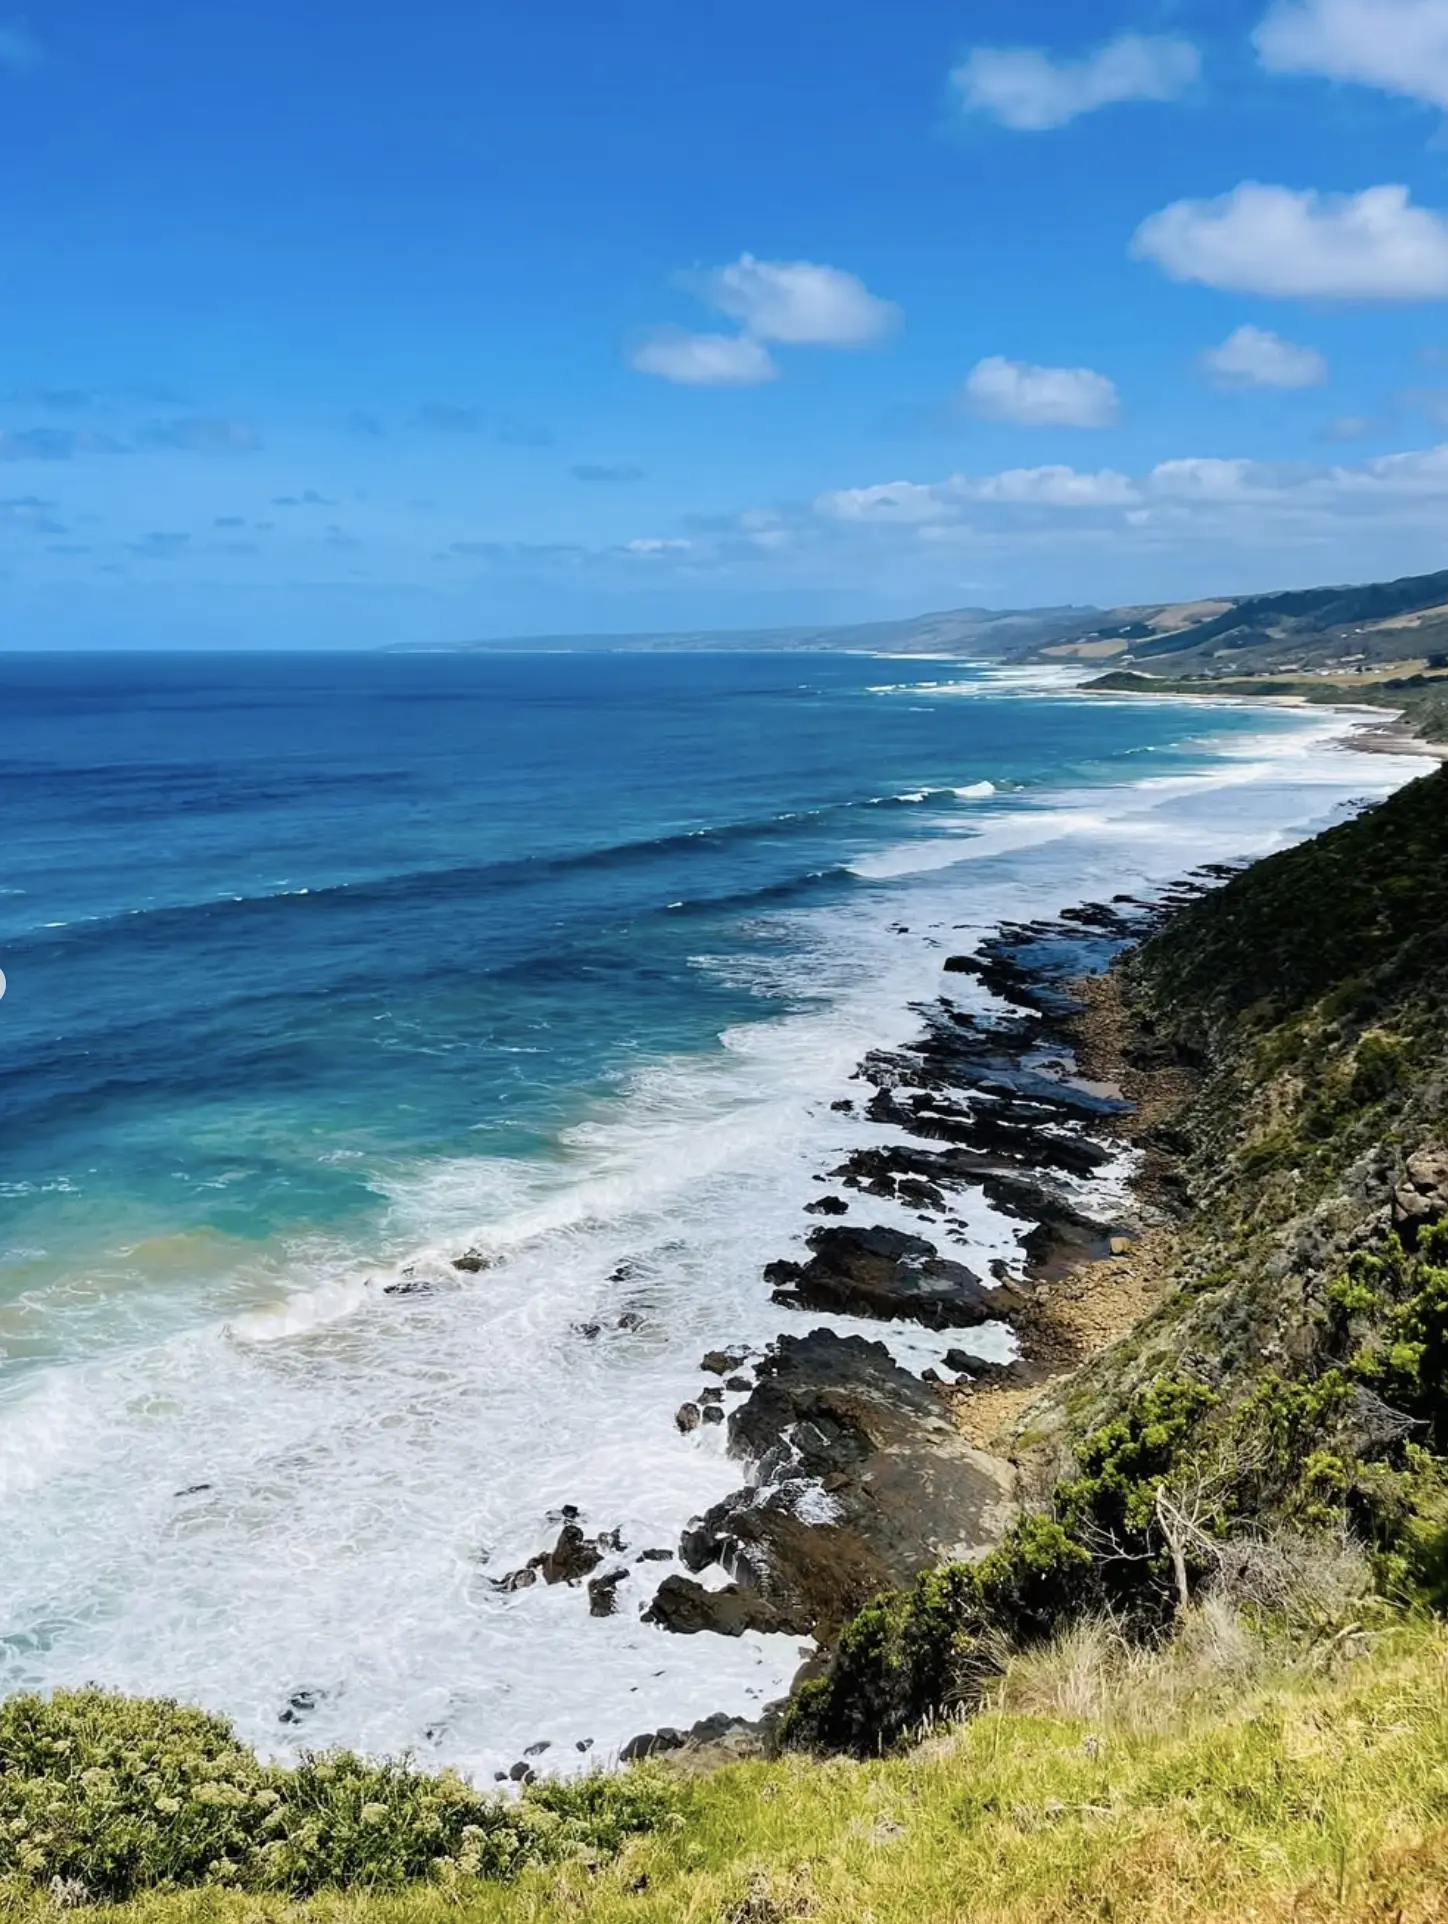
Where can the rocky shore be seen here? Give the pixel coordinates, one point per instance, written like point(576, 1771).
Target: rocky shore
point(856, 1472)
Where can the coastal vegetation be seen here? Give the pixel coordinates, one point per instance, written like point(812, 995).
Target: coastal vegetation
point(1419, 697)
point(1226, 1774)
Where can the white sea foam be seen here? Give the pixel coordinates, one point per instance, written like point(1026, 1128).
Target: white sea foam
point(312, 1485)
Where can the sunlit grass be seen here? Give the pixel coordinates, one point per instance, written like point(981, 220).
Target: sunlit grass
point(1214, 1781)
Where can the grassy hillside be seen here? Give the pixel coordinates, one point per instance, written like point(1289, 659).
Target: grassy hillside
point(1212, 1780)
point(1308, 629)
point(1421, 698)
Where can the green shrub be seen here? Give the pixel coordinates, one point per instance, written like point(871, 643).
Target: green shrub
point(116, 1795)
point(910, 1657)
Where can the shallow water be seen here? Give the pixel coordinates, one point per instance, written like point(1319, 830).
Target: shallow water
point(323, 969)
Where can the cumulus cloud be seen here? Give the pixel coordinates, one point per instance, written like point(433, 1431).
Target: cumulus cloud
point(703, 360)
point(801, 303)
point(918, 504)
point(1400, 46)
point(20, 51)
point(796, 303)
point(1255, 357)
point(1057, 487)
point(204, 434)
point(1027, 90)
point(1272, 240)
point(904, 503)
point(1233, 503)
point(1038, 397)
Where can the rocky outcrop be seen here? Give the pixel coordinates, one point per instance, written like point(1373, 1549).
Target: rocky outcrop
point(1422, 1196)
point(862, 1481)
point(885, 1273)
point(573, 1557)
point(686, 1607)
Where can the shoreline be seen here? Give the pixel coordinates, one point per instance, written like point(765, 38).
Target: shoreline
point(1390, 735)
point(1096, 1266)
point(860, 1475)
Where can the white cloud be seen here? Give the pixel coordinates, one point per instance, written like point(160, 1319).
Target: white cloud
point(1056, 487)
point(1398, 45)
point(1255, 357)
point(1198, 478)
point(900, 502)
point(647, 546)
point(703, 360)
point(1030, 92)
point(915, 504)
point(20, 51)
point(1038, 397)
point(1271, 240)
point(798, 302)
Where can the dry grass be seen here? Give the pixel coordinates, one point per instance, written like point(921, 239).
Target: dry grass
point(1214, 1780)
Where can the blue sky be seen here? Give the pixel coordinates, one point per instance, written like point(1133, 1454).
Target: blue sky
point(329, 324)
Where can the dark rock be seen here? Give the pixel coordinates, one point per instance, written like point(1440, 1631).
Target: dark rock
point(193, 1489)
point(301, 1704)
point(584, 1744)
point(713, 1740)
point(712, 1413)
point(712, 1394)
point(472, 1261)
point(572, 1557)
point(905, 1491)
point(523, 1774)
point(737, 1383)
point(655, 1556)
point(963, 1363)
point(631, 1319)
point(719, 1362)
point(603, 1593)
point(828, 1206)
point(686, 1607)
point(653, 1743)
point(522, 1579)
point(843, 1107)
point(537, 1750)
point(686, 1416)
point(414, 1285)
point(590, 1332)
point(885, 1273)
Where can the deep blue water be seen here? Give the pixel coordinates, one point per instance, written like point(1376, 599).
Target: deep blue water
point(260, 910)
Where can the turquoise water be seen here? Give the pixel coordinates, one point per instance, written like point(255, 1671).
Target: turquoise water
point(321, 969)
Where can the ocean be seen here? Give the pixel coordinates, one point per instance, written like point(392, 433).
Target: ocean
point(322, 970)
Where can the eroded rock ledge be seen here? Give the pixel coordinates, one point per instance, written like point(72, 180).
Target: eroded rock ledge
point(858, 1472)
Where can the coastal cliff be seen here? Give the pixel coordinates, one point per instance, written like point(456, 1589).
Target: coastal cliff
point(1291, 1382)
